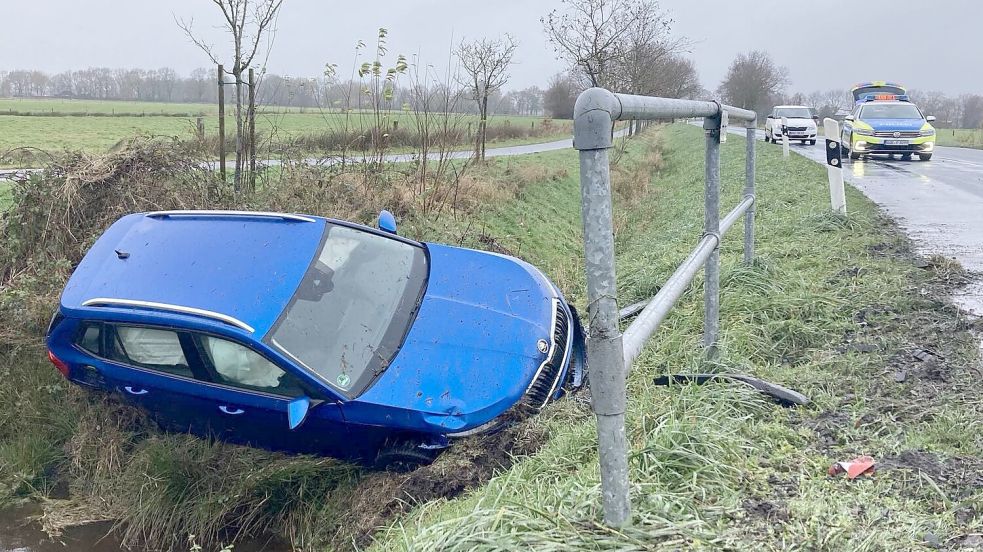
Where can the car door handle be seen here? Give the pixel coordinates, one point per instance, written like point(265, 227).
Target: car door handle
point(135, 391)
point(231, 411)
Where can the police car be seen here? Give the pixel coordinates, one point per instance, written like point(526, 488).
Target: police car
point(885, 122)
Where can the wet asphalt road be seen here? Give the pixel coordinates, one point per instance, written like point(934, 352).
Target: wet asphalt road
point(939, 203)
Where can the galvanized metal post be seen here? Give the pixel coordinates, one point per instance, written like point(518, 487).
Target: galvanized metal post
point(711, 227)
point(752, 131)
point(593, 116)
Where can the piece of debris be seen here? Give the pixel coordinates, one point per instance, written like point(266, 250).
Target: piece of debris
point(632, 310)
point(924, 355)
point(900, 376)
point(931, 540)
point(781, 395)
point(853, 468)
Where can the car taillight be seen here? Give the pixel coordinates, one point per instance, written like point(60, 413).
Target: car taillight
point(59, 364)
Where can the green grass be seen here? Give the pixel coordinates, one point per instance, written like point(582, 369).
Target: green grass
point(100, 130)
point(719, 468)
point(961, 137)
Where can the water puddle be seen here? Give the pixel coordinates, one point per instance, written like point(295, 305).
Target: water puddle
point(19, 532)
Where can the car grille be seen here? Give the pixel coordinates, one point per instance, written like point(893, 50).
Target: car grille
point(547, 379)
point(905, 134)
point(796, 129)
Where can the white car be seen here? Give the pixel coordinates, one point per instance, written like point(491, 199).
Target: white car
point(801, 124)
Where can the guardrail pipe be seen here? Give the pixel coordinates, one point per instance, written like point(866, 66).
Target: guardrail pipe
point(595, 112)
point(752, 136)
point(608, 352)
point(711, 227)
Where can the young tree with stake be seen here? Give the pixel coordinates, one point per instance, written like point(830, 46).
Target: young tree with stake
point(249, 23)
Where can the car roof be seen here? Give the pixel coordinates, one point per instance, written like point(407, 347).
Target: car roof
point(244, 267)
point(788, 106)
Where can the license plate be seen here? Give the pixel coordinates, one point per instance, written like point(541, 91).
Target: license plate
point(896, 142)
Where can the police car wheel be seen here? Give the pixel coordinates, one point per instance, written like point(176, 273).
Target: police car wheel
point(924, 156)
point(906, 157)
point(854, 156)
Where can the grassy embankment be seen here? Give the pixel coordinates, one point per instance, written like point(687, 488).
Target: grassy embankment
point(960, 137)
point(834, 307)
point(96, 126)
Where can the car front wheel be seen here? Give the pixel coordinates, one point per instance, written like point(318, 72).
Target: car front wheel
point(403, 456)
point(924, 156)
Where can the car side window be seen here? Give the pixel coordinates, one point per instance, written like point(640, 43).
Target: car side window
point(239, 366)
point(151, 348)
point(89, 338)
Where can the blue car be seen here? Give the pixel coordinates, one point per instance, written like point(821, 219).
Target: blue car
point(311, 335)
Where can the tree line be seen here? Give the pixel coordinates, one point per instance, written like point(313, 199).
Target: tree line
point(755, 81)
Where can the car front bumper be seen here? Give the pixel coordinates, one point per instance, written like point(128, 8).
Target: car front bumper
point(875, 144)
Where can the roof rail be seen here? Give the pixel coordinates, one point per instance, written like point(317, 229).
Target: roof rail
point(218, 214)
point(109, 302)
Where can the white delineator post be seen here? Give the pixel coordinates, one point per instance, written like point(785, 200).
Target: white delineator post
point(785, 136)
point(834, 166)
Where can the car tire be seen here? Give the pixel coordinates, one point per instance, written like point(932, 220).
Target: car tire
point(925, 156)
point(812, 142)
point(401, 456)
point(906, 157)
point(854, 156)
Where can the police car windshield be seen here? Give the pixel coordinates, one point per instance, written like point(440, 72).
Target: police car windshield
point(890, 111)
point(353, 308)
point(793, 112)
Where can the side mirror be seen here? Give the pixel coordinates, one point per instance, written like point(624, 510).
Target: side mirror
point(849, 118)
point(930, 118)
point(387, 222)
point(771, 117)
point(297, 411)
point(815, 118)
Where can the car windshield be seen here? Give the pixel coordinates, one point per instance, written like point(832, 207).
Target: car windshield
point(353, 308)
point(890, 111)
point(793, 113)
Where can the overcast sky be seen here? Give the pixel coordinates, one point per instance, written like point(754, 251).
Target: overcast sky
point(925, 44)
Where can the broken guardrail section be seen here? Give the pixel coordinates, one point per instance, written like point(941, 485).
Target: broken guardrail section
point(610, 353)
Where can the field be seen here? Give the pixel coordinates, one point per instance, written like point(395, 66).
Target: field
point(834, 307)
point(97, 126)
point(961, 138)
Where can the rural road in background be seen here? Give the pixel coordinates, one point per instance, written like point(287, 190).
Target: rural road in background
point(507, 151)
point(939, 203)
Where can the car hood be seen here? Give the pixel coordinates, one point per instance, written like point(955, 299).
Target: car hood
point(895, 124)
point(472, 350)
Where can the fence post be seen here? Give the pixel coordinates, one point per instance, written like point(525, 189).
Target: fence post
point(252, 131)
point(711, 227)
point(593, 118)
point(784, 136)
point(752, 132)
point(221, 121)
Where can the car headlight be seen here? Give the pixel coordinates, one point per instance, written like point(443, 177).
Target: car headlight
point(863, 132)
point(929, 132)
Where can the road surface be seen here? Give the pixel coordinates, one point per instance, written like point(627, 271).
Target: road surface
point(939, 203)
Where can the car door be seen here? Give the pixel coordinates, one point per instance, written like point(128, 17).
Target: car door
point(249, 397)
point(151, 368)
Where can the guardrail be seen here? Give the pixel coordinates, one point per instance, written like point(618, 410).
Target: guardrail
point(610, 353)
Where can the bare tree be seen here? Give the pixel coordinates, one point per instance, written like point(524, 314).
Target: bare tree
point(249, 23)
point(485, 63)
point(594, 36)
point(754, 81)
point(560, 96)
